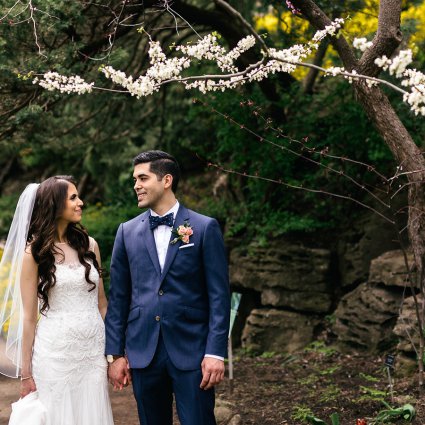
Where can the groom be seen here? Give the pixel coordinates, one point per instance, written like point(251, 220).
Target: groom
point(169, 301)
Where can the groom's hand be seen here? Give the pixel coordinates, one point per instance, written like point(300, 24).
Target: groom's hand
point(119, 373)
point(212, 372)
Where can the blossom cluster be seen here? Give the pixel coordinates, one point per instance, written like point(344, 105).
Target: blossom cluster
point(397, 65)
point(142, 86)
point(410, 78)
point(362, 44)
point(334, 71)
point(330, 29)
point(208, 48)
point(163, 69)
point(74, 84)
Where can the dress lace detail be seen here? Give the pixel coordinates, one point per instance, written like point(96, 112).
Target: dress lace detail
point(69, 365)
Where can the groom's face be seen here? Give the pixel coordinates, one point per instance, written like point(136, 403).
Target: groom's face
point(149, 189)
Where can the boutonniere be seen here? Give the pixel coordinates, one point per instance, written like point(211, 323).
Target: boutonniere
point(183, 233)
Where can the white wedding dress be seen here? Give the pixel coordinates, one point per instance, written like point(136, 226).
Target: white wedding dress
point(69, 366)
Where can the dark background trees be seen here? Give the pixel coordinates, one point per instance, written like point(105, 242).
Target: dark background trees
point(95, 136)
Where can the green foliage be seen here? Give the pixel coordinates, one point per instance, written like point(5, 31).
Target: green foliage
point(305, 415)
point(330, 319)
point(334, 417)
point(330, 370)
point(7, 209)
point(301, 413)
point(268, 355)
point(102, 223)
point(288, 359)
point(372, 394)
point(330, 394)
point(368, 378)
point(406, 412)
point(320, 347)
point(309, 380)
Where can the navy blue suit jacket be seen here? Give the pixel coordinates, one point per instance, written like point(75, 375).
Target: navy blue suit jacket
point(189, 301)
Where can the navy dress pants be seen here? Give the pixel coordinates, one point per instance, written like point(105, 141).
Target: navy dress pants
point(154, 386)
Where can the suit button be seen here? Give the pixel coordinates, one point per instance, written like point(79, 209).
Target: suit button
point(161, 292)
point(157, 318)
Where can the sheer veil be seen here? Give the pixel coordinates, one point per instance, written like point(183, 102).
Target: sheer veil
point(11, 312)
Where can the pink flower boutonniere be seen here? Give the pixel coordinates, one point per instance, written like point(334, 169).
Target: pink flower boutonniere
point(183, 233)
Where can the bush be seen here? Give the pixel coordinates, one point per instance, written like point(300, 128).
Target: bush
point(102, 223)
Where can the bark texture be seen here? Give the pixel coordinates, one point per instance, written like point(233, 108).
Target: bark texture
point(381, 113)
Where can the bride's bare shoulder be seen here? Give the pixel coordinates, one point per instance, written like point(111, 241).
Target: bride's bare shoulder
point(28, 257)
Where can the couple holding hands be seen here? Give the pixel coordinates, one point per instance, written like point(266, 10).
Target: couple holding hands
point(165, 326)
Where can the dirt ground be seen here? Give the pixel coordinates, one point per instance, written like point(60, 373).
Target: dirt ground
point(276, 389)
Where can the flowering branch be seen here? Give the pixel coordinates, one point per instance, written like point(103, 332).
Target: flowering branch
point(165, 70)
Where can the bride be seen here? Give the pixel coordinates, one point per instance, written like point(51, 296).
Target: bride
point(53, 305)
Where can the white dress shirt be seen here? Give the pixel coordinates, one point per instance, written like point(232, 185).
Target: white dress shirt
point(162, 236)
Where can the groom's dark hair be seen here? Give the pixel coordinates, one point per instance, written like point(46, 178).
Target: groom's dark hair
point(161, 163)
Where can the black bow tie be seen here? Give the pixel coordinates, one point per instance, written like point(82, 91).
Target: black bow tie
point(166, 220)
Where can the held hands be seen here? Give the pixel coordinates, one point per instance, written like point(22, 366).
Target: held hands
point(212, 372)
point(27, 386)
point(119, 373)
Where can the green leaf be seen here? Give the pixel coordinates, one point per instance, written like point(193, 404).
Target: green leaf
point(315, 421)
point(409, 412)
point(334, 419)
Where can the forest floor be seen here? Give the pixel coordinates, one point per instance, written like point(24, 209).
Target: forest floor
point(276, 389)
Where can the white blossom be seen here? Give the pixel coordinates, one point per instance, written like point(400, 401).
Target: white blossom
point(352, 77)
point(416, 99)
point(414, 78)
point(155, 52)
point(163, 69)
point(400, 63)
point(362, 44)
point(143, 86)
point(397, 65)
point(334, 71)
point(330, 29)
point(383, 62)
point(53, 81)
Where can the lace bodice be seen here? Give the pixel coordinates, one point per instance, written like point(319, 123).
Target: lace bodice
point(71, 292)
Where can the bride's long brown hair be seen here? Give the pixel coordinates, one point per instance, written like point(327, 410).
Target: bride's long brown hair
point(49, 204)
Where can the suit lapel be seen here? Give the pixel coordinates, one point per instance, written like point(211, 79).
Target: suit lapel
point(181, 217)
point(149, 241)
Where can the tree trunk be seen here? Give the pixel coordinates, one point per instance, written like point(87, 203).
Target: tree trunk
point(393, 132)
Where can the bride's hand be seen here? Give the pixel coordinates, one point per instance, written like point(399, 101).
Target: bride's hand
point(119, 373)
point(27, 386)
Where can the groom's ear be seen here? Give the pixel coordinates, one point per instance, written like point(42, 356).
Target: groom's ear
point(168, 181)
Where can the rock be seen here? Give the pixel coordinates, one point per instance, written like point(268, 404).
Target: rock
point(278, 330)
point(236, 420)
point(390, 269)
point(302, 301)
point(368, 237)
point(289, 275)
point(366, 316)
point(407, 328)
point(224, 412)
point(405, 366)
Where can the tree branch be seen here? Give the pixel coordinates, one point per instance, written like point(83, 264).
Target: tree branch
point(387, 38)
point(320, 20)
